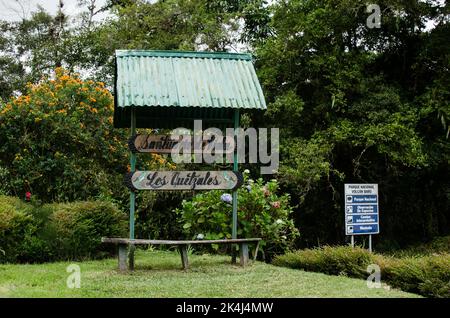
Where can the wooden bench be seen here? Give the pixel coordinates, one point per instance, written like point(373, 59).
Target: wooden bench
point(123, 243)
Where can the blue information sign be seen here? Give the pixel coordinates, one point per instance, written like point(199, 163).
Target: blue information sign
point(361, 209)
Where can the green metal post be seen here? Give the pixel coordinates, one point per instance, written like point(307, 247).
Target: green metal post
point(132, 193)
point(133, 169)
point(235, 168)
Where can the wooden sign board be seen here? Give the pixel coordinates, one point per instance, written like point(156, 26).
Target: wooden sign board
point(165, 144)
point(184, 180)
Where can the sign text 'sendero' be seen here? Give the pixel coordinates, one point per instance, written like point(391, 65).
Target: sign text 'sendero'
point(165, 144)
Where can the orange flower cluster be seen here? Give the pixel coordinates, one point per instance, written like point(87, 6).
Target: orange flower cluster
point(160, 159)
point(5, 109)
point(23, 99)
point(64, 93)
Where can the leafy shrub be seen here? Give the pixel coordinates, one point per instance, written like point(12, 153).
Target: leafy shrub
point(4, 181)
point(342, 260)
point(261, 213)
point(437, 245)
point(437, 277)
point(15, 223)
point(38, 244)
point(425, 275)
point(59, 143)
point(79, 227)
point(154, 214)
point(34, 233)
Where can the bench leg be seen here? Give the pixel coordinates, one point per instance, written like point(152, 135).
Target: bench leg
point(233, 254)
point(243, 254)
point(131, 249)
point(122, 257)
point(256, 251)
point(184, 256)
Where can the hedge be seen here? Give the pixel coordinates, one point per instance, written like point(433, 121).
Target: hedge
point(425, 275)
point(41, 233)
point(16, 223)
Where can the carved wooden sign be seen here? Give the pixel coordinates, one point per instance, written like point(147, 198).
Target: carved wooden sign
point(184, 180)
point(165, 144)
point(152, 143)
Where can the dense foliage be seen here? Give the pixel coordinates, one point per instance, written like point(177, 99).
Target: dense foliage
point(354, 104)
point(34, 233)
point(361, 105)
point(262, 212)
point(58, 142)
point(341, 260)
point(426, 275)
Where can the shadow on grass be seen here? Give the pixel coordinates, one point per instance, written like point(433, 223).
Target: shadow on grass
point(161, 262)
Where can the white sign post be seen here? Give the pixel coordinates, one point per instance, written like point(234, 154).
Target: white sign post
point(361, 211)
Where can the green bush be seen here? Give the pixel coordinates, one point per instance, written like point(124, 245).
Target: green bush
point(58, 141)
point(437, 277)
point(261, 213)
point(154, 214)
point(341, 260)
point(37, 245)
point(425, 275)
point(34, 233)
point(15, 224)
point(79, 227)
point(437, 245)
point(4, 181)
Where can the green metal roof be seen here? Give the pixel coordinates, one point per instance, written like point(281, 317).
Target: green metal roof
point(171, 88)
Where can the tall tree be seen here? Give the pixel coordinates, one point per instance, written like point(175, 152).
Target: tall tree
point(359, 104)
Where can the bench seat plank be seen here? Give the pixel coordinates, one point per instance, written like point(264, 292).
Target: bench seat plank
point(175, 242)
point(182, 245)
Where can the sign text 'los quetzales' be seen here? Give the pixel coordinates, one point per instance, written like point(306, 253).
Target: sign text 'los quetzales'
point(184, 180)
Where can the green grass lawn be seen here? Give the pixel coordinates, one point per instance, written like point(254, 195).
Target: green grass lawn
point(158, 274)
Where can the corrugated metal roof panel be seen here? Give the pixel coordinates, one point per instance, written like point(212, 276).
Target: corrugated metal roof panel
point(171, 87)
point(187, 79)
point(160, 53)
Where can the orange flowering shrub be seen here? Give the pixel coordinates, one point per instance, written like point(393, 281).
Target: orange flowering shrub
point(58, 142)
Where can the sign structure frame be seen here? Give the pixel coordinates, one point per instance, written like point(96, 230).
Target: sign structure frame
point(361, 209)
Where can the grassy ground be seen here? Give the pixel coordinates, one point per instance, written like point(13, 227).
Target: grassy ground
point(158, 274)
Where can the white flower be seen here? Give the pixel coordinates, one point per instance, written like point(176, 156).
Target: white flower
point(200, 236)
point(246, 171)
point(226, 197)
point(279, 221)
